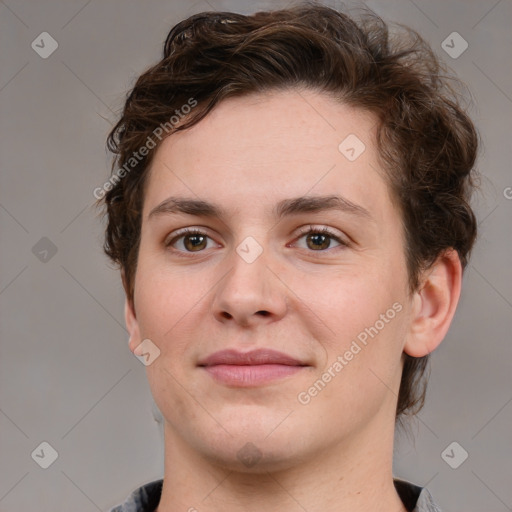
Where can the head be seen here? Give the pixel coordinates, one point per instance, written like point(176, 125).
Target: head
point(247, 113)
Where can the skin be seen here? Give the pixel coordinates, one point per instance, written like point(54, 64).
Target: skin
point(335, 453)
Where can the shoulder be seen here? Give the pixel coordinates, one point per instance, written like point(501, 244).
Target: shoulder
point(143, 499)
point(415, 498)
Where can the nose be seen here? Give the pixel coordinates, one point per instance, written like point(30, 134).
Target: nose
point(250, 293)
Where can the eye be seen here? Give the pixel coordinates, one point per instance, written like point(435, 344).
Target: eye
point(190, 240)
point(320, 239)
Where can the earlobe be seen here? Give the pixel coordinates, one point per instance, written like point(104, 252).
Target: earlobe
point(434, 305)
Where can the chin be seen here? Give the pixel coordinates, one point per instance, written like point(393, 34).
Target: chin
point(252, 450)
point(254, 458)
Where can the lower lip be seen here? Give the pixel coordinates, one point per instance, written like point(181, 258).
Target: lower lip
point(250, 375)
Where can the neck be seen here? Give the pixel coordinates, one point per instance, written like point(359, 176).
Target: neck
point(349, 476)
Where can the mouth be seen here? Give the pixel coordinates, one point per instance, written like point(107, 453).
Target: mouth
point(250, 369)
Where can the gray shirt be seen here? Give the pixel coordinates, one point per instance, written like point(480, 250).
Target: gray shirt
point(147, 497)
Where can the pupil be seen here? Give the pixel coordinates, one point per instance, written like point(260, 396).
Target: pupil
point(321, 239)
point(195, 240)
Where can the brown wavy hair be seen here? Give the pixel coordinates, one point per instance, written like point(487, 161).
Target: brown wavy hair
point(427, 143)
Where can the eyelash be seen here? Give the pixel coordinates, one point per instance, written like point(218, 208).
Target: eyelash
point(304, 231)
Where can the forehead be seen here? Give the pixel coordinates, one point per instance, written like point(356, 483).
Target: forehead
point(266, 147)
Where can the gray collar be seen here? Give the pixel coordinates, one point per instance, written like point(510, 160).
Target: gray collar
point(147, 497)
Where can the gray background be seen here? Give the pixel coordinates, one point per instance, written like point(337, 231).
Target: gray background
point(66, 374)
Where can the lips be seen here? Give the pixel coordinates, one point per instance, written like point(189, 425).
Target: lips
point(252, 358)
point(254, 368)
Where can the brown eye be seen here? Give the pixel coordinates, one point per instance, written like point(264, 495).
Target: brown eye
point(316, 241)
point(194, 242)
point(321, 239)
point(189, 241)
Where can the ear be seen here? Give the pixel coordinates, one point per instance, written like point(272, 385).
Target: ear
point(434, 305)
point(132, 324)
point(130, 317)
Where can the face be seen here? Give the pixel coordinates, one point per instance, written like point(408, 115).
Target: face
point(273, 283)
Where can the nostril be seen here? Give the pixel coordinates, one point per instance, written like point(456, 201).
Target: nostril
point(263, 313)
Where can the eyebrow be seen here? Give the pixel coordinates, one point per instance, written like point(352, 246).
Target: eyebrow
point(286, 207)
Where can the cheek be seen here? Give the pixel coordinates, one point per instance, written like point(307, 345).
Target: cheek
point(347, 302)
point(165, 299)
point(365, 319)
point(362, 373)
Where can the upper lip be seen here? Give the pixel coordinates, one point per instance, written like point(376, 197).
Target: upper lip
point(252, 358)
